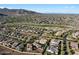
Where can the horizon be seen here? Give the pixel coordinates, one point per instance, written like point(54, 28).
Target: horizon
point(46, 8)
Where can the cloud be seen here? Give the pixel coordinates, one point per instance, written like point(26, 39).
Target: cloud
point(66, 7)
point(2, 7)
point(72, 6)
point(62, 11)
point(6, 7)
point(67, 11)
point(69, 7)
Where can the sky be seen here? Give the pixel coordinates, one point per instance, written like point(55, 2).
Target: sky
point(45, 8)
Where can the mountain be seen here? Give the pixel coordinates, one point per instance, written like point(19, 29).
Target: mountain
point(7, 11)
point(3, 14)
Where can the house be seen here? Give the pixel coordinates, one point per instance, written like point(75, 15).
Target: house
point(42, 41)
point(29, 47)
point(75, 35)
point(53, 48)
point(39, 50)
point(59, 33)
point(19, 47)
point(37, 45)
point(74, 45)
point(14, 44)
point(54, 42)
point(4, 43)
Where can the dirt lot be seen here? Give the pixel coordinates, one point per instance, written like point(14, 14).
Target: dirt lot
point(8, 51)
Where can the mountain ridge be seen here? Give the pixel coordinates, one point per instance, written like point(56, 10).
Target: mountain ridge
point(7, 11)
